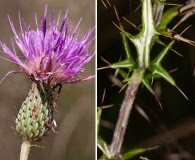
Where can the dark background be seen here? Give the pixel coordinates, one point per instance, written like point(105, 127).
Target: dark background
point(173, 127)
point(75, 112)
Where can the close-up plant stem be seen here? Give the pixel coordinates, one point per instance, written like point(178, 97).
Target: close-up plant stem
point(142, 44)
point(25, 150)
point(125, 111)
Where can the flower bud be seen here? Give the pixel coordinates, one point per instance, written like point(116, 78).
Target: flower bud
point(35, 116)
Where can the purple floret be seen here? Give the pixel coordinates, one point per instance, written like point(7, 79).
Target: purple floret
point(53, 55)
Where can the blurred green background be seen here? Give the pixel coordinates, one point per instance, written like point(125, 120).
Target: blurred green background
point(173, 127)
point(75, 111)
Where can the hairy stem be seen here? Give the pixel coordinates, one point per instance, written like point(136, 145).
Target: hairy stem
point(25, 149)
point(124, 114)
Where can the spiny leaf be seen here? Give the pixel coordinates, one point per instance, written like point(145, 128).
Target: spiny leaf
point(159, 70)
point(126, 63)
point(156, 68)
point(162, 54)
point(146, 82)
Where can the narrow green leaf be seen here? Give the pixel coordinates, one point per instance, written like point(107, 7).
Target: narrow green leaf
point(167, 17)
point(124, 64)
point(123, 74)
point(134, 152)
point(162, 54)
point(102, 145)
point(146, 82)
point(99, 114)
point(159, 70)
point(156, 68)
point(126, 47)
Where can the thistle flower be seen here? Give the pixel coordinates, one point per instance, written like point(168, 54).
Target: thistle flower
point(54, 56)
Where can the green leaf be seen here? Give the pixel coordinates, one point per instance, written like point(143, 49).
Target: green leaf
point(162, 54)
point(146, 82)
point(102, 145)
point(167, 17)
point(99, 114)
point(103, 157)
point(134, 152)
point(159, 70)
point(126, 46)
point(124, 64)
point(156, 68)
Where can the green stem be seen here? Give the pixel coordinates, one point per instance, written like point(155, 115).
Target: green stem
point(124, 114)
point(25, 149)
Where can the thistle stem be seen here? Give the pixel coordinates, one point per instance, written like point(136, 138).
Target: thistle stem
point(25, 149)
point(143, 44)
point(124, 114)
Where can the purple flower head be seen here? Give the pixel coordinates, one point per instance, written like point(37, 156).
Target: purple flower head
point(53, 55)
